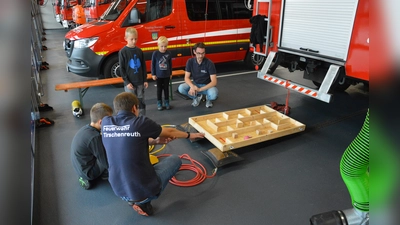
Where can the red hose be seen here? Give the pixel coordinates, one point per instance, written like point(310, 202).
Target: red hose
point(194, 166)
point(286, 109)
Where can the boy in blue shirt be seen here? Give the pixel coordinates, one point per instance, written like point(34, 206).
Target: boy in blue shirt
point(161, 71)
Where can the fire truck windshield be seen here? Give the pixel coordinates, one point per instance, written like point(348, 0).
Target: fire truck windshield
point(115, 10)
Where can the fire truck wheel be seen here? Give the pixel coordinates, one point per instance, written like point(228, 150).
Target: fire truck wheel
point(339, 86)
point(316, 83)
point(253, 60)
point(342, 84)
point(111, 68)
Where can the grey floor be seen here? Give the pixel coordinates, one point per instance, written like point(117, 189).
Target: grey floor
point(280, 182)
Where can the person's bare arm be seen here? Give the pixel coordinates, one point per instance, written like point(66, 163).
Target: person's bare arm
point(187, 79)
point(175, 133)
point(159, 140)
point(193, 88)
point(213, 83)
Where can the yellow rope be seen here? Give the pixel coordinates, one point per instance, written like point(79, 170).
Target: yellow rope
point(151, 147)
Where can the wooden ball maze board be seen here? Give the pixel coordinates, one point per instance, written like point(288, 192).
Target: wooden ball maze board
point(242, 127)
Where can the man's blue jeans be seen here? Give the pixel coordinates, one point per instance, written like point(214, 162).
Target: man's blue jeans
point(165, 169)
point(211, 93)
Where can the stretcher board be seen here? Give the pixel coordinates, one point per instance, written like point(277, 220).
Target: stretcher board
point(242, 127)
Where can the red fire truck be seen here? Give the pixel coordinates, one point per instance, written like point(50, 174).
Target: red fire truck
point(57, 10)
point(66, 11)
point(95, 8)
point(327, 40)
point(224, 26)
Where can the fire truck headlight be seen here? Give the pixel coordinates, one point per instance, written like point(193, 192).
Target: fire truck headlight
point(85, 43)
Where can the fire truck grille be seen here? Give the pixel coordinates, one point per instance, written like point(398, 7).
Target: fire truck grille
point(68, 46)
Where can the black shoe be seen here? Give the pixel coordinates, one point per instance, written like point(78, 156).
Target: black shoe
point(145, 209)
point(85, 184)
point(45, 107)
point(104, 175)
point(167, 106)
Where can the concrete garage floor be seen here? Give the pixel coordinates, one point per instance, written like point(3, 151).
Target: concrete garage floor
point(280, 182)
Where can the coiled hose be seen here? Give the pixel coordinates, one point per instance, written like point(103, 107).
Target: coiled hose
point(354, 168)
point(194, 166)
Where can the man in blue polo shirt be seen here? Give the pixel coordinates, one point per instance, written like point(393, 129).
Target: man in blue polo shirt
point(204, 77)
point(126, 137)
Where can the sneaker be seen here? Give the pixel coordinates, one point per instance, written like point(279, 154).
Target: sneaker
point(209, 104)
point(85, 184)
point(159, 105)
point(104, 175)
point(167, 106)
point(196, 100)
point(145, 209)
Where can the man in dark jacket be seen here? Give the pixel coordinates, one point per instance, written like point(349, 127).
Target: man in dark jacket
point(258, 30)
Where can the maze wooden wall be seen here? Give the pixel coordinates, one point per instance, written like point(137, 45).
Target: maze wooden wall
point(238, 128)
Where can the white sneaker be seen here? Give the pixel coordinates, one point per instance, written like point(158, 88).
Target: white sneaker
point(209, 104)
point(197, 100)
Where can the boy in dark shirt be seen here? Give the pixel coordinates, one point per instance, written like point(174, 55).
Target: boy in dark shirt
point(88, 155)
point(161, 71)
point(133, 68)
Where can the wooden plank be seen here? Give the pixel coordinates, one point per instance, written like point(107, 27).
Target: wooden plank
point(217, 142)
point(226, 116)
point(255, 117)
point(242, 131)
point(225, 123)
point(253, 139)
point(174, 73)
point(89, 83)
point(102, 82)
point(203, 118)
point(212, 125)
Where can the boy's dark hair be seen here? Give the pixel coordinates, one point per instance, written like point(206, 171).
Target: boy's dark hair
point(199, 45)
point(125, 101)
point(98, 111)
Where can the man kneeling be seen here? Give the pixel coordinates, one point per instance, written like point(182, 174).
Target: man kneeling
point(126, 137)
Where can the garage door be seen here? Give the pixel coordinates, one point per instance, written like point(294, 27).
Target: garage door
point(318, 27)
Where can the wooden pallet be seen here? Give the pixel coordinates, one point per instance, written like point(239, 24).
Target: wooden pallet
point(242, 127)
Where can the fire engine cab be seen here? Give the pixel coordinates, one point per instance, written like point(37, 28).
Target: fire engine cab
point(66, 11)
point(224, 26)
point(327, 40)
point(95, 8)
